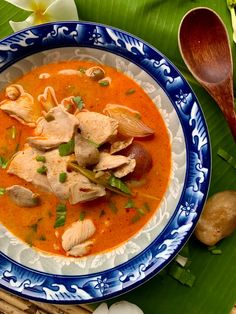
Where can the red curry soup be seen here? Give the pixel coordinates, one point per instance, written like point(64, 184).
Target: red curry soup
point(85, 158)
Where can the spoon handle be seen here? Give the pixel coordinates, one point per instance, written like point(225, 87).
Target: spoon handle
point(222, 93)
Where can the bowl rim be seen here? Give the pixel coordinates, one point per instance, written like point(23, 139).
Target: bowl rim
point(29, 41)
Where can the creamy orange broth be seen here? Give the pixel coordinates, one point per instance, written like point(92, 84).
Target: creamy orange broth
point(36, 225)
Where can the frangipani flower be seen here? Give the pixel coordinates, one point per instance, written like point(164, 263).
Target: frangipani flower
point(121, 307)
point(44, 11)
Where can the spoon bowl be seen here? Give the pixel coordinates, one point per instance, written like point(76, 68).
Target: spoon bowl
point(205, 49)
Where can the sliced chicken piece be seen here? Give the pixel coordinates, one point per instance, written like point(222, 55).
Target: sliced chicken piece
point(24, 165)
point(20, 105)
point(122, 171)
point(22, 197)
point(120, 144)
point(80, 249)
point(83, 190)
point(55, 128)
point(76, 188)
point(86, 153)
point(108, 161)
point(48, 99)
point(97, 127)
point(76, 235)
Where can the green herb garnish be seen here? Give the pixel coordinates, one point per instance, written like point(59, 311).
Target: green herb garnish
point(82, 215)
point(49, 117)
point(62, 177)
point(113, 207)
point(42, 170)
point(66, 149)
point(130, 203)
point(183, 275)
point(79, 102)
point(2, 191)
point(12, 132)
point(34, 227)
point(227, 157)
point(147, 207)
point(60, 215)
point(120, 185)
point(3, 162)
point(102, 180)
point(130, 91)
point(40, 158)
point(42, 238)
point(82, 70)
point(214, 250)
point(104, 83)
point(102, 213)
point(135, 218)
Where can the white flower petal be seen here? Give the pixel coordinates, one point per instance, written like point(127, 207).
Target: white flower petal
point(17, 26)
point(61, 10)
point(101, 309)
point(125, 307)
point(28, 5)
point(42, 5)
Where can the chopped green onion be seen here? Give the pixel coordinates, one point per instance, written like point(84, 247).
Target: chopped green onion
point(135, 218)
point(42, 170)
point(79, 102)
point(34, 227)
point(49, 117)
point(227, 157)
point(102, 213)
point(60, 215)
point(147, 207)
point(214, 250)
point(66, 149)
point(12, 132)
point(113, 207)
point(62, 177)
point(120, 185)
point(130, 91)
point(82, 216)
point(104, 83)
point(40, 158)
point(130, 203)
point(141, 211)
point(82, 70)
point(3, 162)
point(42, 238)
point(2, 191)
point(183, 275)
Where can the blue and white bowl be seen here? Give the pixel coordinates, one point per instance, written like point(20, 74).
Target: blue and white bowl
point(48, 278)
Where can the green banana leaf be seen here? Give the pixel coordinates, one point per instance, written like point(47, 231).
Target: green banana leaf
point(157, 22)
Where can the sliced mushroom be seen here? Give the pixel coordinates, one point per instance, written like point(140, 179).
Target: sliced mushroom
point(218, 219)
point(120, 143)
point(96, 73)
point(20, 105)
point(14, 91)
point(78, 233)
point(86, 153)
point(22, 197)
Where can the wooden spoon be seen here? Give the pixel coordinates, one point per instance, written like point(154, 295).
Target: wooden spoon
point(205, 48)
